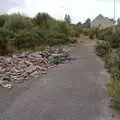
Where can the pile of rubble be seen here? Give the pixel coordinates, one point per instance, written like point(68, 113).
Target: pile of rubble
point(20, 67)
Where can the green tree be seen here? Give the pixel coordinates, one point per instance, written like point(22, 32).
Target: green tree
point(3, 19)
point(67, 18)
point(43, 20)
point(17, 22)
point(87, 24)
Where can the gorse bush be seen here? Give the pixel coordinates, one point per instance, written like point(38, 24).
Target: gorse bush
point(3, 19)
point(112, 35)
point(55, 38)
point(113, 62)
point(93, 33)
point(86, 31)
point(26, 40)
point(110, 50)
point(114, 91)
point(103, 49)
point(76, 30)
point(104, 32)
point(44, 20)
point(16, 22)
point(113, 65)
point(115, 40)
point(6, 33)
point(65, 28)
point(19, 32)
point(5, 36)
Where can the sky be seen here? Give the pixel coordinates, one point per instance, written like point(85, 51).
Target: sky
point(79, 10)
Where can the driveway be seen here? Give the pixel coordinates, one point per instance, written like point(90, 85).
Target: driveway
point(73, 91)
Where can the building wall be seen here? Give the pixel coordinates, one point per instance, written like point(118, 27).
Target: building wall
point(101, 22)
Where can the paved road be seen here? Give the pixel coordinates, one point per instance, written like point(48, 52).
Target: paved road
point(74, 91)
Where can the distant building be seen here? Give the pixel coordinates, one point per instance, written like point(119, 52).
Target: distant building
point(102, 22)
point(118, 21)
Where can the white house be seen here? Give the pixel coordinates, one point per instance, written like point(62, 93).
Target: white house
point(102, 22)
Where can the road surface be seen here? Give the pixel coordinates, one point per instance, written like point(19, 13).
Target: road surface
point(74, 91)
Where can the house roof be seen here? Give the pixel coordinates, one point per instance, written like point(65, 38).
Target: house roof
point(106, 18)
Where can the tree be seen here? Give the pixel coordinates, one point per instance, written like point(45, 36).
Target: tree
point(3, 19)
point(17, 22)
point(43, 20)
point(87, 24)
point(79, 24)
point(67, 18)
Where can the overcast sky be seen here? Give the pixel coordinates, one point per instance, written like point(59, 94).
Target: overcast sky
point(79, 10)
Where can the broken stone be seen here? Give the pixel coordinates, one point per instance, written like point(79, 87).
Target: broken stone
point(7, 86)
point(20, 67)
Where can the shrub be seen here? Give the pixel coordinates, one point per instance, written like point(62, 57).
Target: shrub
point(18, 22)
point(5, 36)
point(65, 28)
point(113, 64)
point(18, 32)
point(109, 49)
point(40, 35)
point(91, 34)
point(55, 38)
point(77, 30)
point(112, 35)
point(114, 60)
point(114, 91)
point(103, 49)
point(103, 33)
point(26, 39)
point(3, 19)
point(115, 40)
point(3, 46)
point(86, 32)
point(44, 20)
point(6, 33)
point(76, 34)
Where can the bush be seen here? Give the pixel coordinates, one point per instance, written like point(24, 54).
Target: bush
point(86, 32)
point(103, 49)
point(3, 19)
point(75, 30)
point(18, 32)
point(114, 60)
point(94, 33)
point(91, 34)
point(114, 91)
point(18, 22)
point(3, 46)
point(104, 32)
point(6, 33)
point(55, 38)
point(26, 40)
point(115, 40)
point(113, 65)
point(65, 28)
point(110, 50)
point(5, 36)
point(44, 20)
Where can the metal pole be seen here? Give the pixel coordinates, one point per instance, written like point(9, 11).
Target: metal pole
point(114, 10)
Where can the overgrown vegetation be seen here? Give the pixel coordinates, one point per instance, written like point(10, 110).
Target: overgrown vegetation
point(18, 32)
point(109, 49)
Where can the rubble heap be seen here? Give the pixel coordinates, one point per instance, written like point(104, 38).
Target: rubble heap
point(19, 67)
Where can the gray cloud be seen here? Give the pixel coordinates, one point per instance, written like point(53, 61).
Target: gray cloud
point(5, 5)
